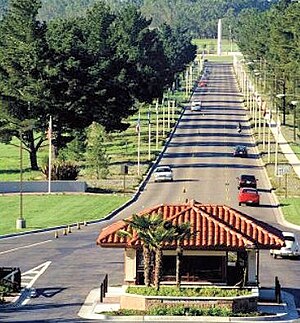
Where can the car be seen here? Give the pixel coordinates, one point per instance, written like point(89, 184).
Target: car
point(248, 195)
point(163, 173)
point(240, 151)
point(196, 106)
point(202, 83)
point(290, 249)
point(247, 181)
point(33, 293)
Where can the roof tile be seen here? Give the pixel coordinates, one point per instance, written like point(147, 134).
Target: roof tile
point(212, 226)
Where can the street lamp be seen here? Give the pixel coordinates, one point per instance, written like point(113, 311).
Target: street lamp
point(282, 96)
point(294, 103)
point(21, 222)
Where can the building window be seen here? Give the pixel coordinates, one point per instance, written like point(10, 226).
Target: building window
point(196, 268)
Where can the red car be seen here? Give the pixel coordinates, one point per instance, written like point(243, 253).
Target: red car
point(248, 195)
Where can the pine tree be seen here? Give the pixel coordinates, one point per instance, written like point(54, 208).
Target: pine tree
point(22, 62)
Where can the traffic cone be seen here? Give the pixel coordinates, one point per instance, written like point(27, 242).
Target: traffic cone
point(69, 229)
point(56, 234)
point(65, 232)
point(78, 225)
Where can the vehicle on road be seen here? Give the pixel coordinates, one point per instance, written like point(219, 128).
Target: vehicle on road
point(291, 248)
point(240, 151)
point(196, 106)
point(202, 83)
point(247, 181)
point(163, 173)
point(248, 195)
point(33, 293)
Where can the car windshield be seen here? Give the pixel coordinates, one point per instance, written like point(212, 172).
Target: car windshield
point(163, 169)
point(247, 178)
point(247, 190)
point(289, 238)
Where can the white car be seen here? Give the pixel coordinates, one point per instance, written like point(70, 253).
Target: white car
point(163, 173)
point(290, 249)
point(196, 106)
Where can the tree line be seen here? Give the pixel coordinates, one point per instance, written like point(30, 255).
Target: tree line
point(199, 17)
point(80, 70)
point(270, 42)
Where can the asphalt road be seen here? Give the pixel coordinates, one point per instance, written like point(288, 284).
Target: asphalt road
point(200, 153)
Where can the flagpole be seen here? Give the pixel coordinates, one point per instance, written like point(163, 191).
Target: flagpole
point(50, 154)
point(156, 109)
point(139, 144)
point(149, 134)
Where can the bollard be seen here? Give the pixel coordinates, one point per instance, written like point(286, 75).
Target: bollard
point(55, 234)
point(69, 229)
point(277, 290)
point(184, 190)
point(78, 225)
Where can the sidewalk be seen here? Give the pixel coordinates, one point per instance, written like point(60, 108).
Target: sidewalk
point(284, 312)
point(285, 148)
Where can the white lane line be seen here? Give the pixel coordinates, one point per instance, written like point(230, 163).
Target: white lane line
point(25, 247)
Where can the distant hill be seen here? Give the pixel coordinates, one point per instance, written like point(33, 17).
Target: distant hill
point(198, 16)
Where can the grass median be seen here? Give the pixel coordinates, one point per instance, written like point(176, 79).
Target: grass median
point(43, 211)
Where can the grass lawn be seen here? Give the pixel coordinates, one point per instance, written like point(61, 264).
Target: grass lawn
point(290, 205)
point(210, 45)
point(291, 209)
point(42, 211)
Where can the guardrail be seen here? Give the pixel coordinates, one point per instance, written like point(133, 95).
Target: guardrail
point(103, 288)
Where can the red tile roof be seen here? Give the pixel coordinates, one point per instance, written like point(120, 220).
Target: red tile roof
point(212, 227)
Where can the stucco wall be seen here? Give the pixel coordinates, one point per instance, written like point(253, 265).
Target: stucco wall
point(238, 304)
point(42, 187)
point(130, 266)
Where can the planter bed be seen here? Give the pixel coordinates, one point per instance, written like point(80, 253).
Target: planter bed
point(243, 304)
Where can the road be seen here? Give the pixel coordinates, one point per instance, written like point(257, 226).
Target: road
point(200, 152)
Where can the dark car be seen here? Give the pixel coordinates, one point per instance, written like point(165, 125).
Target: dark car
point(240, 151)
point(247, 181)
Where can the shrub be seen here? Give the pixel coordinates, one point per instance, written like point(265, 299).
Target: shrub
point(184, 310)
point(62, 171)
point(188, 292)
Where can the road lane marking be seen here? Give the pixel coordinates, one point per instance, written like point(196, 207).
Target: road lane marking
point(37, 271)
point(25, 247)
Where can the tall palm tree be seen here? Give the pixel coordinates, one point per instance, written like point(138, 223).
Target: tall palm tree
point(164, 232)
point(182, 231)
point(143, 226)
point(154, 232)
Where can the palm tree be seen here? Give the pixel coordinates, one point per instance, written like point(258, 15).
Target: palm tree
point(164, 232)
point(154, 232)
point(143, 226)
point(182, 232)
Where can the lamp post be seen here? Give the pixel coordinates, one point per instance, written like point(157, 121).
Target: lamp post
point(21, 222)
point(276, 146)
point(294, 103)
